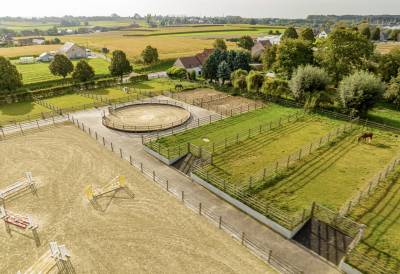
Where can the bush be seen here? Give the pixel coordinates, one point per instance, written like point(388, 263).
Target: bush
point(360, 91)
point(238, 79)
point(275, 87)
point(254, 81)
point(176, 73)
point(392, 94)
point(308, 80)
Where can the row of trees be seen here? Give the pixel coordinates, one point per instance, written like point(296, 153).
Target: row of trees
point(11, 78)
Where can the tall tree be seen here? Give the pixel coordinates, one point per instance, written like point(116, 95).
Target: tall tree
point(246, 42)
point(343, 52)
point(10, 78)
point(83, 72)
point(365, 30)
point(269, 57)
point(120, 65)
point(293, 53)
point(308, 35)
point(392, 93)
point(376, 34)
point(360, 91)
point(242, 61)
point(61, 66)
point(389, 64)
point(210, 67)
point(149, 55)
point(220, 44)
point(223, 72)
point(290, 33)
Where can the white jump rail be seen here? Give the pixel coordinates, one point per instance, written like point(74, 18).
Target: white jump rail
point(27, 182)
point(50, 259)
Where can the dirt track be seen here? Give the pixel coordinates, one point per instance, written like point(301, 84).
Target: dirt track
point(152, 233)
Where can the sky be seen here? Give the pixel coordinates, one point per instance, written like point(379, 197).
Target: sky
point(244, 8)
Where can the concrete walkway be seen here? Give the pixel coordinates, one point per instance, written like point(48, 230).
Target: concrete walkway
point(283, 248)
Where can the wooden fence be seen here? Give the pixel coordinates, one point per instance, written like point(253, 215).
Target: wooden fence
point(370, 187)
point(108, 122)
point(259, 249)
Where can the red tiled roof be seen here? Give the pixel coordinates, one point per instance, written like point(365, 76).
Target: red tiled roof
point(197, 60)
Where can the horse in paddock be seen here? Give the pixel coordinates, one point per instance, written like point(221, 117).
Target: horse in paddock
point(178, 87)
point(366, 137)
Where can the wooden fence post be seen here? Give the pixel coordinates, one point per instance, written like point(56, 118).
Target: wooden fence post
point(183, 196)
point(220, 222)
point(269, 256)
point(167, 186)
point(120, 152)
point(200, 208)
point(243, 237)
point(112, 147)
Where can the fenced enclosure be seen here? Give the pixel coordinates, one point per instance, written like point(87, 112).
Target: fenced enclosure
point(111, 122)
point(369, 188)
point(152, 140)
point(259, 249)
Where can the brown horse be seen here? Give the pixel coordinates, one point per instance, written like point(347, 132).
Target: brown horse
point(366, 137)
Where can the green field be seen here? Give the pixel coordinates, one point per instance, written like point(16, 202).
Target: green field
point(385, 114)
point(333, 174)
point(218, 131)
point(70, 101)
point(18, 112)
point(39, 72)
point(163, 84)
point(381, 213)
point(238, 162)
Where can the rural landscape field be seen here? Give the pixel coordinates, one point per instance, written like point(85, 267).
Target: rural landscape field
point(148, 142)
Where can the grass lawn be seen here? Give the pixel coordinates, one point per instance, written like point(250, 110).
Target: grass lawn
point(381, 213)
point(218, 131)
point(17, 112)
point(162, 84)
point(162, 65)
point(109, 93)
point(70, 101)
point(238, 162)
point(386, 114)
point(39, 72)
point(332, 175)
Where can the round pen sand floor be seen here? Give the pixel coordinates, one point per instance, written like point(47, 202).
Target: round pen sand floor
point(152, 233)
point(148, 117)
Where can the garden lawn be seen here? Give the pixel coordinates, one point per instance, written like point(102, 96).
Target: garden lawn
point(248, 158)
point(229, 127)
point(109, 93)
point(39, 72)
point(385, 114)
point(162, 84)
point(18, 112)
point(71, 101)
point(333, 174)
point(381, 213)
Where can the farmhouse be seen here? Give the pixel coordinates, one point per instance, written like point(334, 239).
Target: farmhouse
point(273, 39)
point(259, 48)
point(194, 63)
point(323, 35)
point(45, 57)
point(72, 51)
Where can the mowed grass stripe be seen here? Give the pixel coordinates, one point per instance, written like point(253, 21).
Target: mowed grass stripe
point(381, 213)
point(333, 174)
point(249, 157)
point(229, 127)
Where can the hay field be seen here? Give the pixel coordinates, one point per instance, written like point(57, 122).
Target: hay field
point(27, 50)
point(387, 47)
point(168, 47)
point(152, 233)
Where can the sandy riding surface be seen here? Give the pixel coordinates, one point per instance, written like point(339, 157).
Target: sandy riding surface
point(150, 115)
point(152, 233)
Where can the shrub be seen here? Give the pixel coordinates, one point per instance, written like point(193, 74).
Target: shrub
point(275, 87)
point(238, 79)
point(360, 91)
point(392, 93)
point(254, 81)
point(176, 73)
